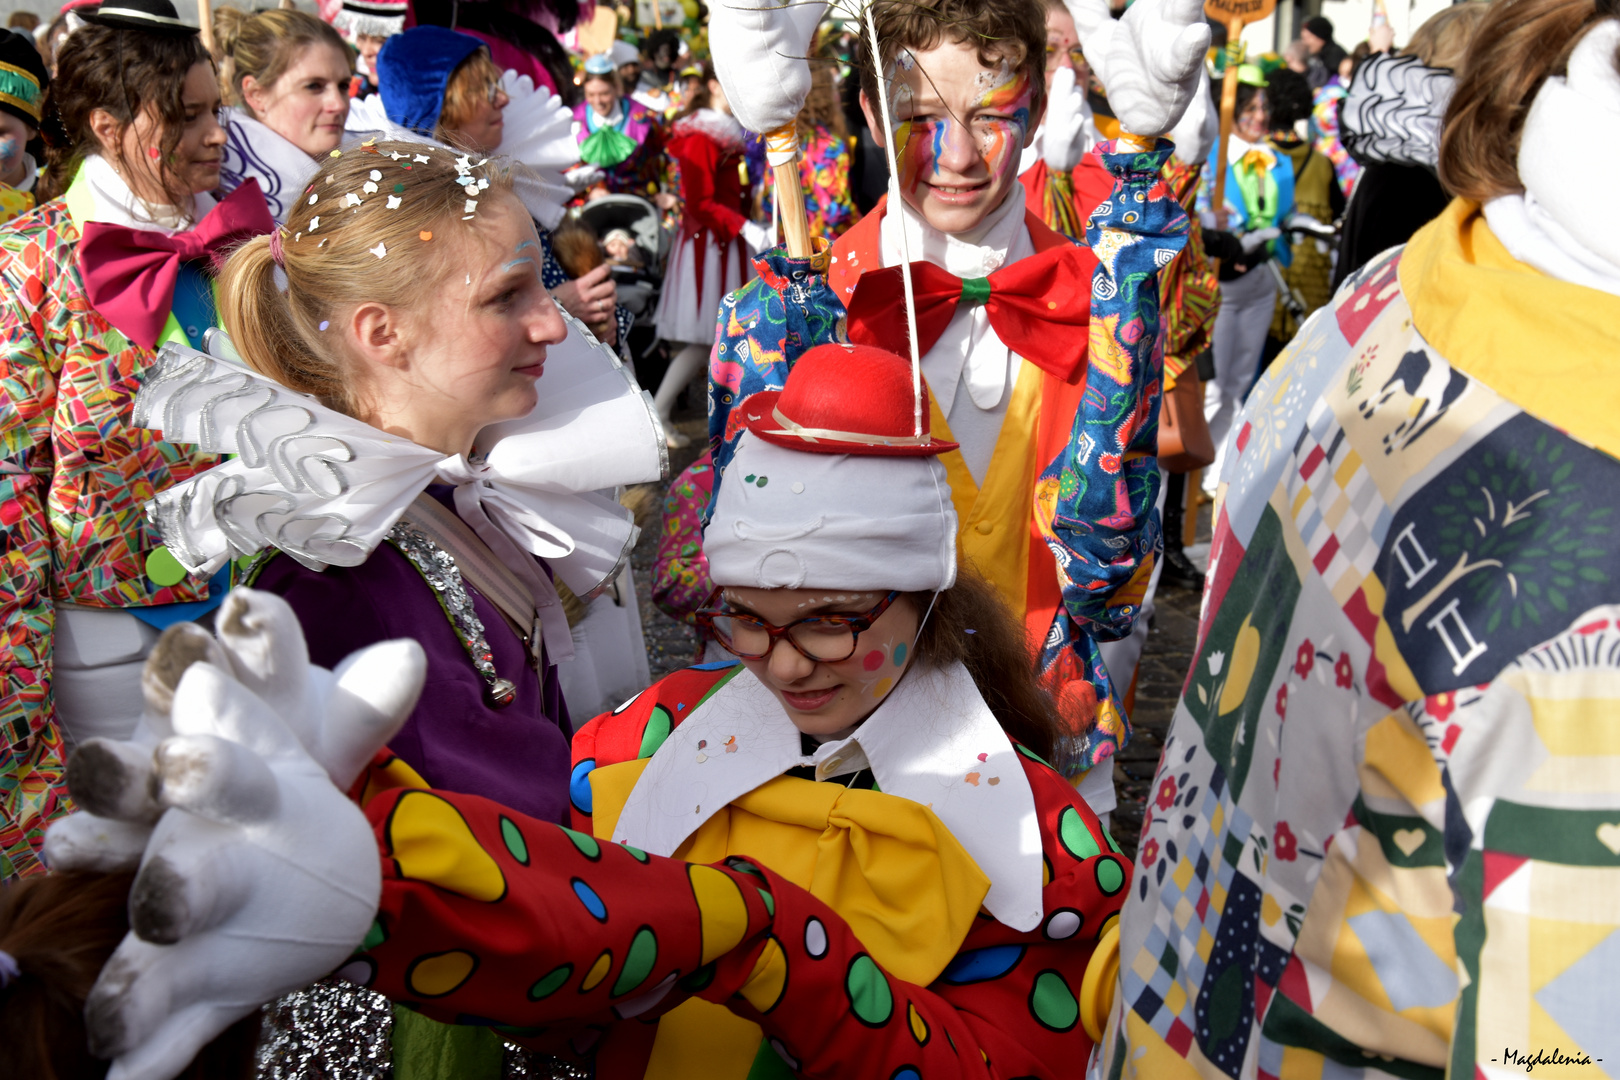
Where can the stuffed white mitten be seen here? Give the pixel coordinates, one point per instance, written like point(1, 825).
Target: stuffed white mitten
point(1195, 133)
point(259, 875)
point(1149, 61)
point(759, 49)
point(1065, 142)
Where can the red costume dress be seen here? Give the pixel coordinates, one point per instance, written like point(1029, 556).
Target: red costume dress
point(710, 258)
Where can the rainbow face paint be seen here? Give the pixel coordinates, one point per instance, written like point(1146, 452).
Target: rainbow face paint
point(962, 129)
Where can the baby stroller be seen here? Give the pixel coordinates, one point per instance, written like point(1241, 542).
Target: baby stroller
point(638, 285)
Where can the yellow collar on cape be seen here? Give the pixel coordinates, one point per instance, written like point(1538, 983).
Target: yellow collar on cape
point(1541, 343)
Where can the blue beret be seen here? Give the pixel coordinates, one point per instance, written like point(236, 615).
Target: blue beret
point(413, 72)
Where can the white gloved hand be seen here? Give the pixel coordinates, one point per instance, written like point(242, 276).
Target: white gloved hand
point(1253, 240)
point(1195, 133)
point(1065, 141)
point(1149, 61)
point(758, 237)
point(260, 875)
point(759, 49)
point(581, 177)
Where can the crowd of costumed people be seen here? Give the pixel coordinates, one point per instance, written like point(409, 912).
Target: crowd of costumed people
point(384, 386)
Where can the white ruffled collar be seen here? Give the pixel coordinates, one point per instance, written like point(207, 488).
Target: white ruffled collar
point(970, 346)
point(1562, 225)
point(595, 121)
point(325, 488)
point(116, 204)
point(256, 151)
point(933, 741)
point(723, 128)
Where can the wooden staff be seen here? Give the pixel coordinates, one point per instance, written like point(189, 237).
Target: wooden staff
point(1229, 85)
point(205, 23)
point(1235, 15)
point(790, 204)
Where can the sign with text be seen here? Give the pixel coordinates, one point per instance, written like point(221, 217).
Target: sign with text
point(1227, 12)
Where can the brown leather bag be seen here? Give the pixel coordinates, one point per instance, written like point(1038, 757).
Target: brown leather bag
point(1184, 442)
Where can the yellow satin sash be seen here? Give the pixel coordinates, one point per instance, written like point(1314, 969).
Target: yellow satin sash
point(887, 865)
point(992, 533)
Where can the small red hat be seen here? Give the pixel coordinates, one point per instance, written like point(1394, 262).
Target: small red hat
point(845, 399)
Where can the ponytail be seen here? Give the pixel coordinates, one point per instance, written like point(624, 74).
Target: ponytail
point(265, 328)
point(227, 30)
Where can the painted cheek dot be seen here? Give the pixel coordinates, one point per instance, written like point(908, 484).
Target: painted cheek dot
point(883, 687)
point(900, 655)
point(872, 660)
point(324, 325)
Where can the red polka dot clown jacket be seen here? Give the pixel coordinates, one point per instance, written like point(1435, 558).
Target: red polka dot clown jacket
point(825, 929)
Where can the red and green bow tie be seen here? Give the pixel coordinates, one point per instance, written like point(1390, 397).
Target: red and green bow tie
point(1038, 306)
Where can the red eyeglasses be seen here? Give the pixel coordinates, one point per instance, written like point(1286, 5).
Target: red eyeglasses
point(824, 639)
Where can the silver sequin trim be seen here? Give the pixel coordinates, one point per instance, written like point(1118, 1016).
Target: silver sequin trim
point(440, 570)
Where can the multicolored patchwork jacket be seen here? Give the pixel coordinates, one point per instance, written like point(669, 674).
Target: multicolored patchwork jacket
point(1064, 525)
point(824, 176)
point(749, 967)
point(1384, 837)
point(75, 475)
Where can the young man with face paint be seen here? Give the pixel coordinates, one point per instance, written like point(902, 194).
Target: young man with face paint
point(1054, 483)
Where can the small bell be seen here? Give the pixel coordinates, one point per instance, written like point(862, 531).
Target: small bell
point(500, 692)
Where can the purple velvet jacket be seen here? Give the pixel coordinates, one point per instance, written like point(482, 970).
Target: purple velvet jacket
point(517, 756)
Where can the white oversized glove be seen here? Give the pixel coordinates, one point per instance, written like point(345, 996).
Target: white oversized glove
point(259, 875)
point(759, 49)
point(581, 177)
point(1253, 240)
point(1195, 133)
point(1065, 142)
point(758, 237)
point(1149, 62)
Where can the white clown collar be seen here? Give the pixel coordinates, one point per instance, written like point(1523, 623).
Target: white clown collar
point(933, 740)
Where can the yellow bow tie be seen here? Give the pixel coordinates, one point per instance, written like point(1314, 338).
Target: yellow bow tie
point(1256, 160)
